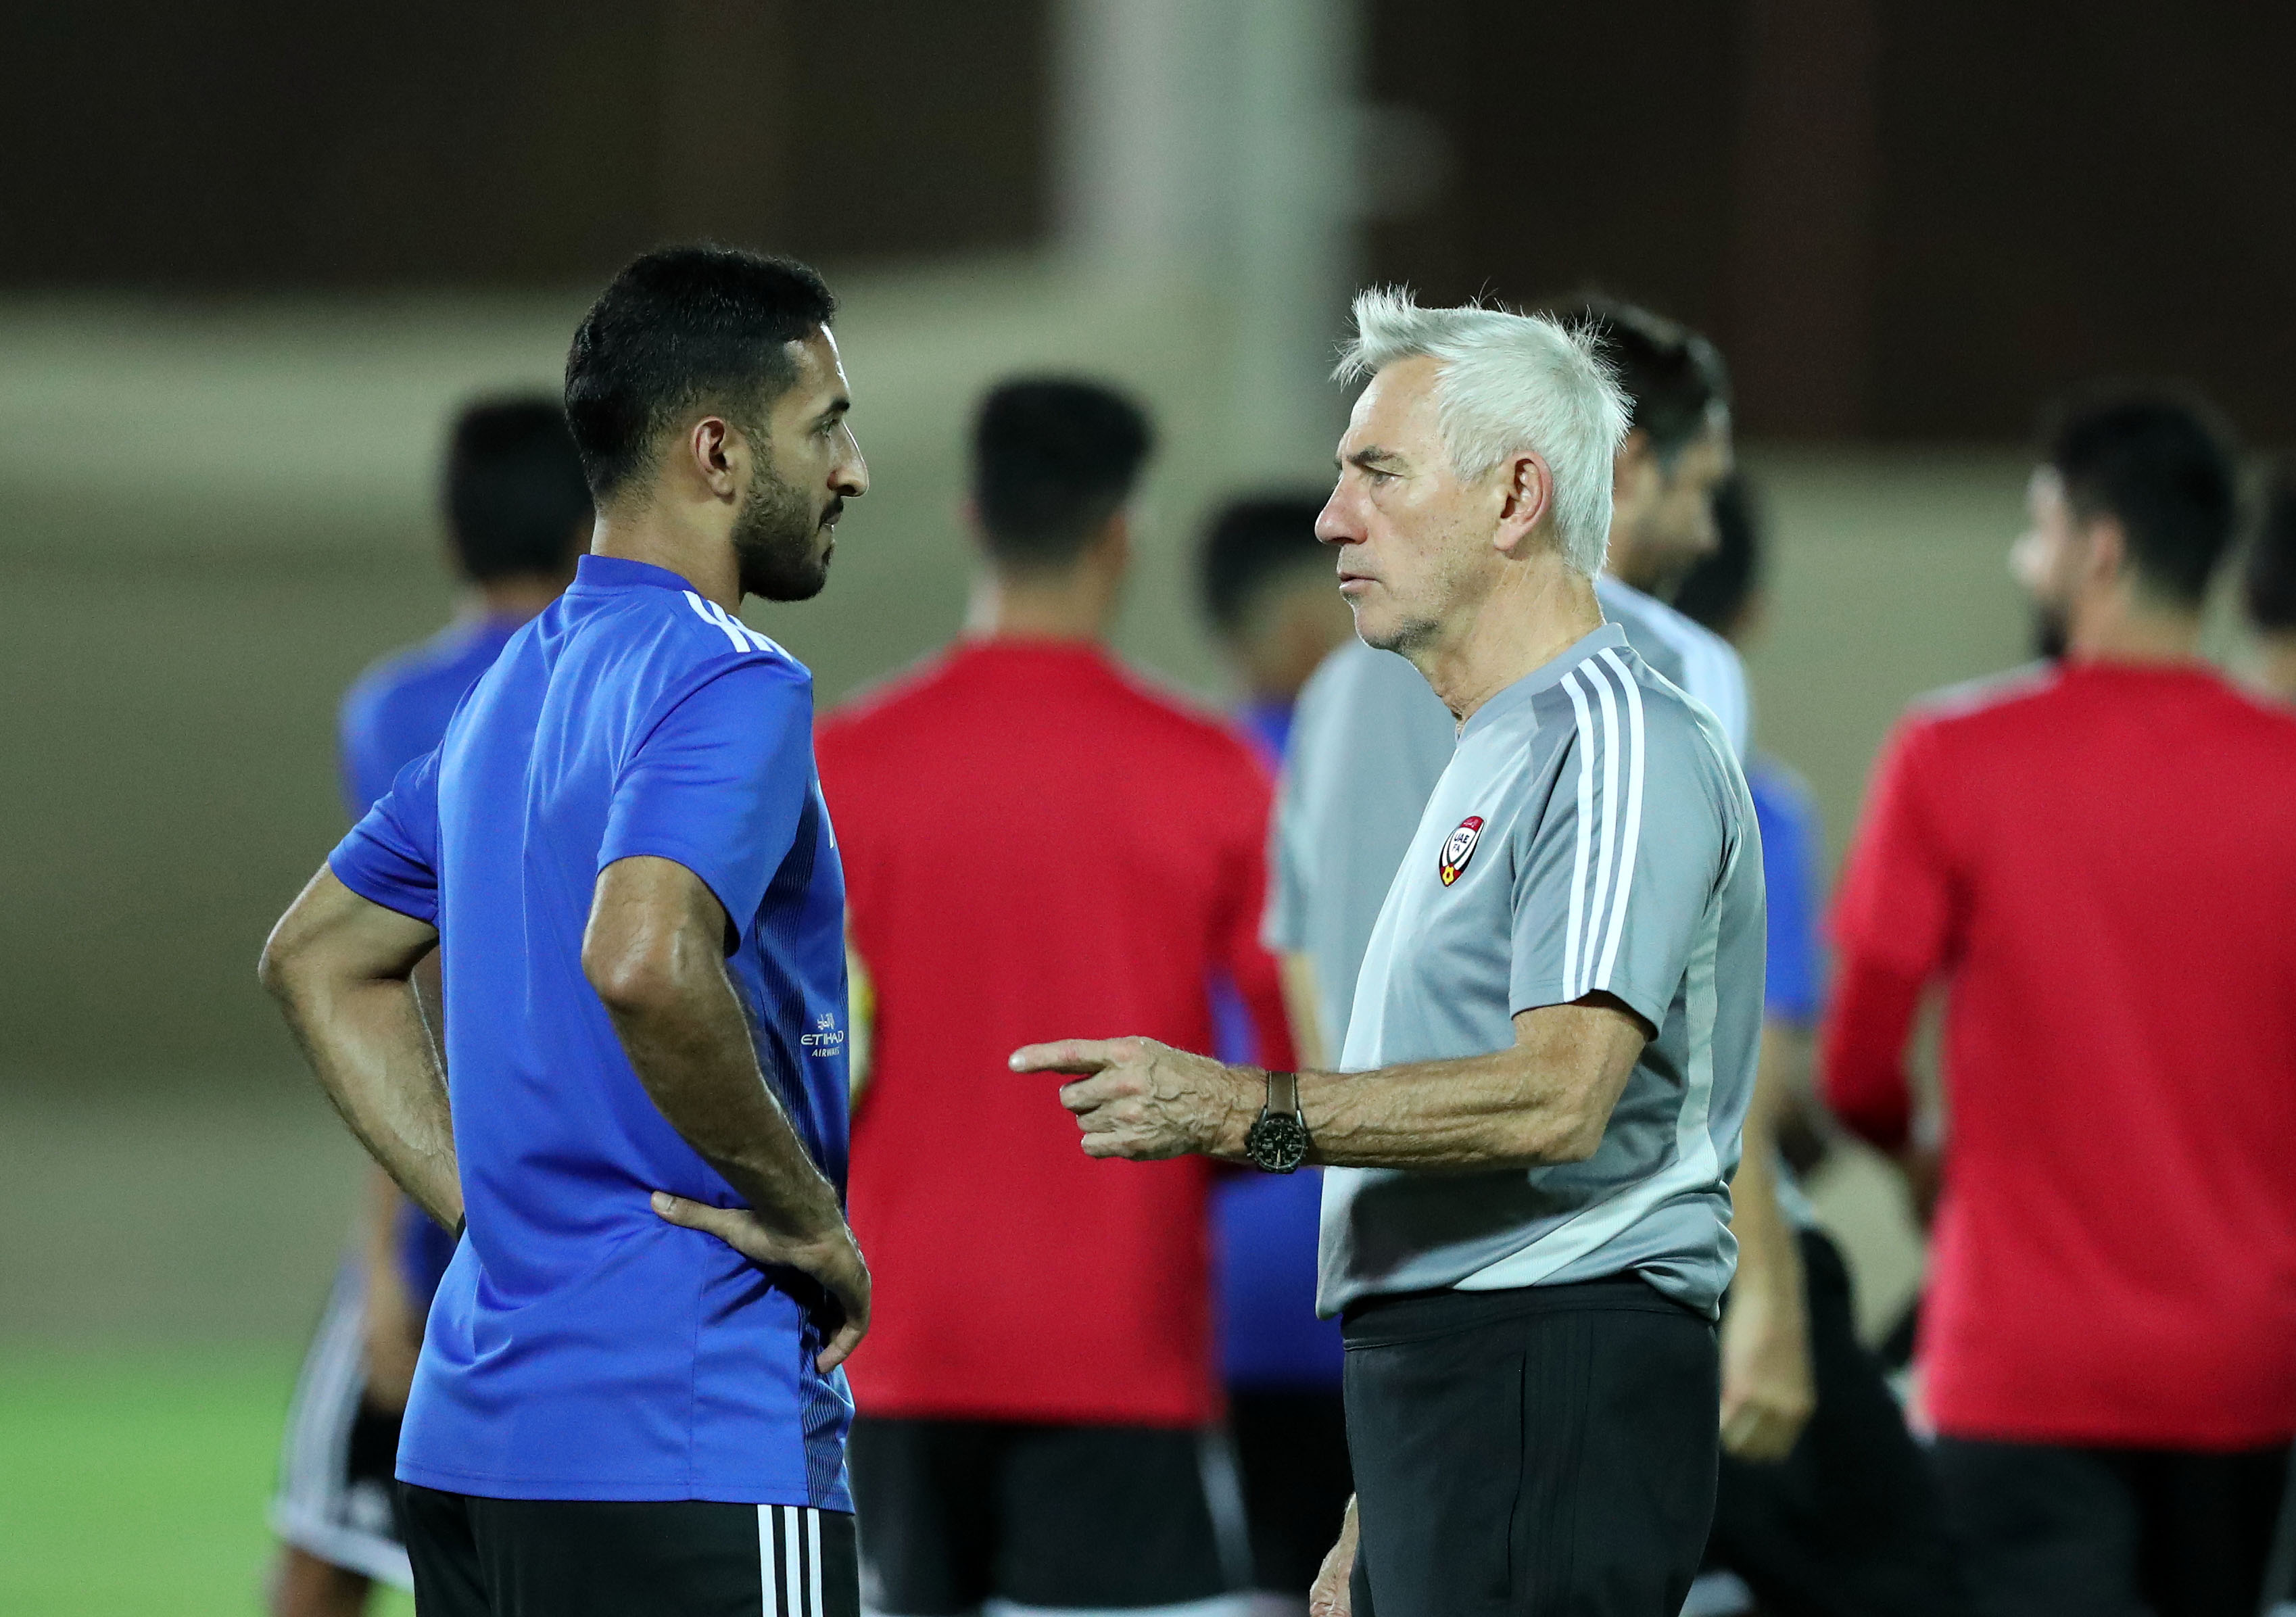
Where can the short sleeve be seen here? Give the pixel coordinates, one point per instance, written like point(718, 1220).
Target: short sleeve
point(1795, 959)
point(1895, 907)
point(1284, 926)
point(365, 773)
point(719, 783)
point(391, 856)
point(1613, 880)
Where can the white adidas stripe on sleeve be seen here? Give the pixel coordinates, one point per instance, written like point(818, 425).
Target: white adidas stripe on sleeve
point(1603, 870)
point(1586, 833)
point(1631, 837)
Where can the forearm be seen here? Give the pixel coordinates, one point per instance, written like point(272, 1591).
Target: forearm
point(691, 1048)
point(1769, 1262)
point(1864, 1070)
point(1302, 1004)
point(1483, 1111)
point(366, 1041)
point(394, 1332)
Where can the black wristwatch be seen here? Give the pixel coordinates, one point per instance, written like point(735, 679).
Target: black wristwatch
point(1277, 1140)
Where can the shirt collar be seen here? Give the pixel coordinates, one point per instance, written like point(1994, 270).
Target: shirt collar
point(1547, 674)
point(597, 573)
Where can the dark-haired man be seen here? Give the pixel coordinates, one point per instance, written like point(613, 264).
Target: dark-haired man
point(628, 1399)
point(517, 514)
point(1033, 832)
point(1267, 591)
point(2096, 860)
point(1265, 588)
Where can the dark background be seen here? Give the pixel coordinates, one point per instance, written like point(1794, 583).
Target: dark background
point(1904, 222)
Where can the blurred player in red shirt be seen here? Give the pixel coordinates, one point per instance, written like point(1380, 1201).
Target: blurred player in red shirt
point(2096, 857)
point(1035, 836)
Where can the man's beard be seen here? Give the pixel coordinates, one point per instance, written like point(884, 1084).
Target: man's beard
point(2052, 639)
point(774, 541)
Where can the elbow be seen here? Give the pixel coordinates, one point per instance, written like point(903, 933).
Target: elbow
point(1569, 1133)
point(635, 983)
point(1574, 1139)
point(277, 967)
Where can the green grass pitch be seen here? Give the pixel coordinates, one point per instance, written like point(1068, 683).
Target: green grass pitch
point(134, 1483)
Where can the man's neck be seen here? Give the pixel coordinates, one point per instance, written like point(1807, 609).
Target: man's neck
point(2276, 665)
point(1635, 578)
point(648, 533)
point(1072, 604)
point(1629, 563)
point(1527, 622)
point(518, 598)
point(2127, 629)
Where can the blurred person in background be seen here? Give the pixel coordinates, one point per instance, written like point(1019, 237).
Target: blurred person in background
point(1266, 587)
point(2268, 585)
point(1370, 740)
point(628, 1399)
point(1267, 593)
point(517, 516)
point(1556, 1030)
point(1033, 834)
point(1846, 1522)
point(2095, 858)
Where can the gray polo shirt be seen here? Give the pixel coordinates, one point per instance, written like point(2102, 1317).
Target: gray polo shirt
point(1591, 833)
point(1368, 741)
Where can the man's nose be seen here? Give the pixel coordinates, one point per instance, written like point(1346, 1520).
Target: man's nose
point(1331, 524)
point(851, 478)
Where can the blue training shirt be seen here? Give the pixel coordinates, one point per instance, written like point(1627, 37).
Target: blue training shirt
point(581, 1348)
point(394, 713)
point(1265, 1226)
point(1794, 982)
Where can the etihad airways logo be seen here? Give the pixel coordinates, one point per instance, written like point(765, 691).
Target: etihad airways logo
point(826, 1038)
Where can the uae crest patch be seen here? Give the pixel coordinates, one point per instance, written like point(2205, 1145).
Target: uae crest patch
point(1459, 847)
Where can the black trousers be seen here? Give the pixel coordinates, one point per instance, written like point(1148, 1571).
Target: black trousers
point(1073, 1518)
point(1850, 1524)
point(476, 1557)
point(1549, 1451)
point(2054, 1532)
point(1292, 1452)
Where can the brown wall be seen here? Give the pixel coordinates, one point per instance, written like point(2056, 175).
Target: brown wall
point(1904, 221)
point(261, 145)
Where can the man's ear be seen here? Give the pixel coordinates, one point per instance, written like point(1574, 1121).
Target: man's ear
point(717, 455)
point(2105, 551)
point(1526, 489)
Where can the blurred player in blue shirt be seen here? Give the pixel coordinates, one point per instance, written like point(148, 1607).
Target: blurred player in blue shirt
point(517, 514)
point(1267, 590)
point(628, 1399)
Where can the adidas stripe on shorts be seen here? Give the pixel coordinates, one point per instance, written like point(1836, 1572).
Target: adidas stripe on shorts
point(478, 1557)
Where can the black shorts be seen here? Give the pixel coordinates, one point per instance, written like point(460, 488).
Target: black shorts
point(1291, 1453)
point(477, 1558)
point(1076, 1518)
point(1849, 1524)
point(1550, 1448)
point(2111, 1533)
point(335, 1494)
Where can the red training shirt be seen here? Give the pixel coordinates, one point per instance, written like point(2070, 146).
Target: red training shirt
point(1037, 846)
point(2100, 863)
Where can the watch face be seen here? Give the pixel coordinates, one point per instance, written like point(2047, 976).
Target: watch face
point(1278, 1142)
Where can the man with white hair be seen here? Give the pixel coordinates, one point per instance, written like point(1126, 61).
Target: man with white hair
point(1553, 1040)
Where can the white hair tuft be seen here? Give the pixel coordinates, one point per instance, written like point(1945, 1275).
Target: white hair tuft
point(1508, 383)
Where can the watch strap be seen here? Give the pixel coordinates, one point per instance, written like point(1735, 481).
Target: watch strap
point(1283, 1093)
